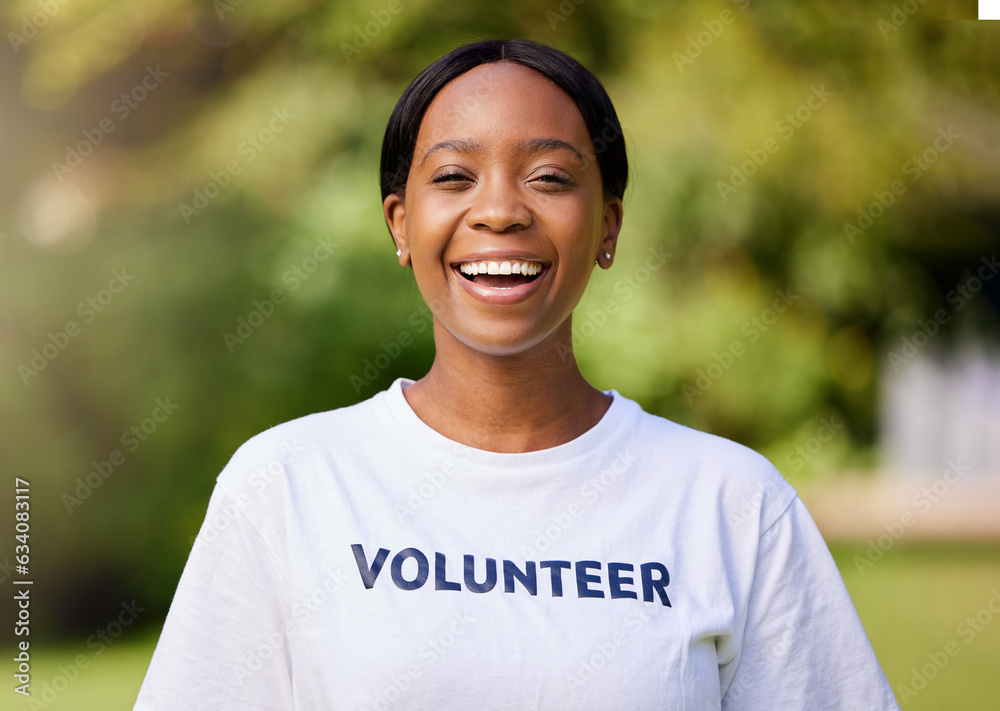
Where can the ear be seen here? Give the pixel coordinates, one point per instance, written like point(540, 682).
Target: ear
point(394, 210)
point(612, 225)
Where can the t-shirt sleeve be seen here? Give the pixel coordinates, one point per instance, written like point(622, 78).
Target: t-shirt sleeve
point(803, 644)
point(223, 642)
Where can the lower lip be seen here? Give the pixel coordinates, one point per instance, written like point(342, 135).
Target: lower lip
point(501, 297)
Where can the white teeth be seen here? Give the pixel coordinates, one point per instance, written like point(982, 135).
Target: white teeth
point(504, 267)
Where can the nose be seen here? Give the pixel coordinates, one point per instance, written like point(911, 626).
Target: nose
point(499, 207)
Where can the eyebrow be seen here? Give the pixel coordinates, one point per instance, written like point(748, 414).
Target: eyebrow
point(528, 145)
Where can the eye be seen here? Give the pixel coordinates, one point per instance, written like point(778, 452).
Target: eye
point(449, 178)
point(553, 179)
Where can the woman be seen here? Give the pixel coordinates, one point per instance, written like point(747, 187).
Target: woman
point(500, 534)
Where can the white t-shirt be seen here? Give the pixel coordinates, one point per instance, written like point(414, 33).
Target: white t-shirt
point(358, 559)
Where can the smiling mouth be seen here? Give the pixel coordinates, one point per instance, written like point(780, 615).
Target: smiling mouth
point(501, 274)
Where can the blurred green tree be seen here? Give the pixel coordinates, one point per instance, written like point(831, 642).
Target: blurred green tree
point(808, 184)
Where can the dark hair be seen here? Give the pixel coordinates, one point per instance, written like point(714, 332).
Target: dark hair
point(568, 74)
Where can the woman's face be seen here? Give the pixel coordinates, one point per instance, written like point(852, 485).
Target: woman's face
point(501, 181)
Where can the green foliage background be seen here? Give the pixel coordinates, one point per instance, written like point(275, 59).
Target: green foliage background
point(692, 114)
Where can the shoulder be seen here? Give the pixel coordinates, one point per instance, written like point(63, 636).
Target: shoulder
point(741, 482)
point(707, 453)
point(295, 444)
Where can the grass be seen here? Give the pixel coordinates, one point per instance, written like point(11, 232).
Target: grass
point(911, 601)
point(77, 678)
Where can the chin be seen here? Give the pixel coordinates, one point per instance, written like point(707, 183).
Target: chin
point(510, 341)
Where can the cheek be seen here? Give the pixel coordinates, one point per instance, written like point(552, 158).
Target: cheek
point(429, 226)
point(578, 226)
point(431, 222)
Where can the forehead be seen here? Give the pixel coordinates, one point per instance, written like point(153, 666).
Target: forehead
point(499, 101)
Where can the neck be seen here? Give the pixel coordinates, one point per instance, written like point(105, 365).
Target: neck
point(522, 402)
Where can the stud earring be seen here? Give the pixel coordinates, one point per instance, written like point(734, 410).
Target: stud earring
point(607, 255)
point(399, 252)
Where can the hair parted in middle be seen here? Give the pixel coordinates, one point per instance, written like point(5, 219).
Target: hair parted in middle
point(608, 143)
